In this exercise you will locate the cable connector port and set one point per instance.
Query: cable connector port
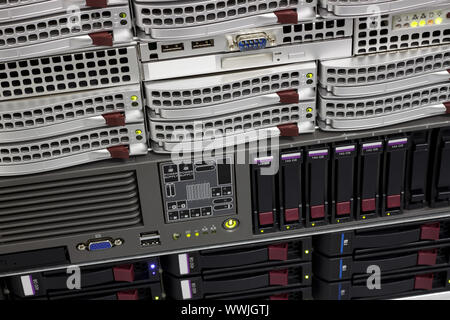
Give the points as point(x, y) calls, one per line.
point(150, 239)
point(252, 41)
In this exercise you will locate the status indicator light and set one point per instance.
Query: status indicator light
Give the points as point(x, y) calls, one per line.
point(309, 109)
point(306, 276)
point(309, 75)
point(156, 298)
point(306, 251)
point(134, 98)
point(188, 235)
point(422, 23)
point(414, 24)
point(363, 217)
point(152, 266)
point(197, 234)
point(138, 131)
point(123, 15)
point(438, 20)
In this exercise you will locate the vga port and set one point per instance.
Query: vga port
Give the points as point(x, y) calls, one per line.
point(254, 41)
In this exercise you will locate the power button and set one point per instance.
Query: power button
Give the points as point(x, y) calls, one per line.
point(230, 224)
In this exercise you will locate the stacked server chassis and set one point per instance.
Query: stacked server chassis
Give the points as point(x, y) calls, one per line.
point(215, 74)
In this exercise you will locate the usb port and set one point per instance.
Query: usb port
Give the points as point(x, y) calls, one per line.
point(150, 239)
point(172, 47)
point(202, 44)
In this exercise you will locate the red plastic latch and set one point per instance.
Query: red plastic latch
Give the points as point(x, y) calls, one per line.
point(427, 257)
point(102, 39)
point(278, 277)
point(430, 231)
point(394, 201)
point(119, 152)
point(424, 282)
point(283, 296)
point(368, 205)
point(278, 252)
point(97, 3)
point(287, 16)
point(317, 212)
point(128, 295)
point(124, 273)
point(343, 208)
point(288, 96)
point(288, 130)
point(447, 106)
point(114, 119)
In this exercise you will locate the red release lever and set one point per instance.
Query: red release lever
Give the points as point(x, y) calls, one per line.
point(114, 119)
point(427, 257)
point(424, 282)
point(128, 295)
point(287, 16)
point(97, 3)
point(283, 296)
point(278, 277)
point(278, 252)
point(104, 39)
point(447, 106)
point(288, 130)
point(124, 273)
point(430, 231)
point(288, 96)
point(119, 152)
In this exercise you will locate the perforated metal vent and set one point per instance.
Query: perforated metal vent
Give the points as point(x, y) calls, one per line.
point(317, 31)
point(13, 3)
point(229, 124)
point(376, 34)
point(25, 114)
point(58, 26)
point(334, 108)
point(46, 210)
point(173, 14)
point(185, 93)
point(68, 72)
point(379, 68)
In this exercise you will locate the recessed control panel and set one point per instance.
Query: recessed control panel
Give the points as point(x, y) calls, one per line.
point(197, 189)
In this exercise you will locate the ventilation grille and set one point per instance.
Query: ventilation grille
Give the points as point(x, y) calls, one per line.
point(375, 34)
point(61, 112)
point(63, 146)
point(357, 2)
point(228, 91)
point(190, 13)
point(377, 106)
point(69, 72)
point(385, 71)
point(14, 3)
point(46, 210)
point(317, 31)
point(42, 29)
point(230, 124)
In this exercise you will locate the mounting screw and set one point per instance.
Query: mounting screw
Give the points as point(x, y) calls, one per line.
point(118, 242)
point(81, 247)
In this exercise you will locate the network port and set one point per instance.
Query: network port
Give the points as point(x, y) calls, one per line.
point(172, 47)
point(253, 41)
point(150, 239)
point(203, 44)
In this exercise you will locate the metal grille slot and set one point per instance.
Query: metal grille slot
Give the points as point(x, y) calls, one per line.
point(333, 108)
point(185, 93)
point(384, 67)
point(46, 210)
point(67, 145)
point(14, 3)
point(190, 13)
point(229, 124)
point(376, 34)
point(68, 72)
point(41, 112)
point(41, 29)
point(317, 31)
